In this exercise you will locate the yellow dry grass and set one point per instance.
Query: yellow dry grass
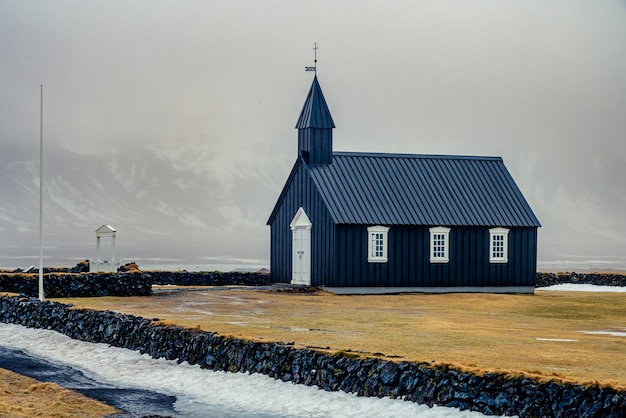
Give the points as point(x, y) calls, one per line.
point(22, 396)
point(542, 335)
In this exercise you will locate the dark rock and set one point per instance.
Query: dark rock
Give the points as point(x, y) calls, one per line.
point(501, 401)
point(82, 267)
point(129, 267)
point(486, 400)
point(389, 372)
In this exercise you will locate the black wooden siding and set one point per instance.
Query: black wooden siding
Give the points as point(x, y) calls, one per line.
point(339, 252)
point(409, 265)
point(301, 193)
point(316, 145)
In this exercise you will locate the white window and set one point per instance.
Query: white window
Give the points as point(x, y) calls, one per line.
point(377, 244)
point(439, 244)
point(498, 245)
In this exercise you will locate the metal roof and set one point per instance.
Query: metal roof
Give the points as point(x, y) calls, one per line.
point(315, 113)
point(406, 189)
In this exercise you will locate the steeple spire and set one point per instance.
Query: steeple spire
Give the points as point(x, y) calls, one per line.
point(315, 128)
point(315, 112)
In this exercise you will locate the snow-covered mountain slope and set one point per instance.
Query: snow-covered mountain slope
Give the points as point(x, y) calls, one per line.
point(163, 205)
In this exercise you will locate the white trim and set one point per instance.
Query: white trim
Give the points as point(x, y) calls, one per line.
point(439, 255)
point(503, 256)
point(377, 253)
point(300, 220)
point(301, 248)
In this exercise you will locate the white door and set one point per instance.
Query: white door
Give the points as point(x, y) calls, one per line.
point(301, 244)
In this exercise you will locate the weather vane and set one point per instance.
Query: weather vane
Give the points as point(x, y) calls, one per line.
point(314, 68)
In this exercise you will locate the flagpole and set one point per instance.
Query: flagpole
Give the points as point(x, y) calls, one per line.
point(41, 293)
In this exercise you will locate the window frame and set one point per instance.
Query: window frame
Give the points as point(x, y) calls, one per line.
point(504, 234)
point(372, 232)
point(445, 233)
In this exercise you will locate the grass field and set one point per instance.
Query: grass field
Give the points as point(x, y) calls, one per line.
point(570, 336)
point(22, 396)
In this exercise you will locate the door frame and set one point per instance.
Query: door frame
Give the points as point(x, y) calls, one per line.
point(301, 248)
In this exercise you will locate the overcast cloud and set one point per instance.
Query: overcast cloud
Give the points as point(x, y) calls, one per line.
point(185, 112)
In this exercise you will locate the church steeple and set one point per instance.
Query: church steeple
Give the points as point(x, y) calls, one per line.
point(315, 128)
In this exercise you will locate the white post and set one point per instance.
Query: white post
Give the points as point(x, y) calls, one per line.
point(41, 292)
point(113, 253)
point(98, 253)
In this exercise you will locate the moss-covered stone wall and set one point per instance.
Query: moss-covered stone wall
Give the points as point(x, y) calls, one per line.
point(66, 285)
point(133, 283)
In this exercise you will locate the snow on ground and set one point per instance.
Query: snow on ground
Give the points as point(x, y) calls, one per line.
point(604, 332)
point(571, 287)
point(198, 390)
point(560, 340)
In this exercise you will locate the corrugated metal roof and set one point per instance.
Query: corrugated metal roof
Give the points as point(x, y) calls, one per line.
point(406, 189)
point(315, 113)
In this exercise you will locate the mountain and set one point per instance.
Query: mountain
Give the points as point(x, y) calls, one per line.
point(164, 205)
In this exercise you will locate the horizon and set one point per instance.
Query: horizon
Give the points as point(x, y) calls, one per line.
point(567, 263)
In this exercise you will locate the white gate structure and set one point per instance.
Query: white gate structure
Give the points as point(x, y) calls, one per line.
point(105, 230)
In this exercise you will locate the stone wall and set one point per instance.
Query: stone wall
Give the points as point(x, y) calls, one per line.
point(65, 285)
point(133, 283)
point(62, 283)
point(208, 278)
point(599, 279)
point(493, 394)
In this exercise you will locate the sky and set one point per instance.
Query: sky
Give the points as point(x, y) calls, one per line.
point(184, 113)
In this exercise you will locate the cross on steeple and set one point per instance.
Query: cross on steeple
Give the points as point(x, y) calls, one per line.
point(314, 68)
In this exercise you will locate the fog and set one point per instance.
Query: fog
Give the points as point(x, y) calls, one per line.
point(180, 116)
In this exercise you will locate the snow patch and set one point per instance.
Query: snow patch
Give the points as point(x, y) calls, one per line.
point(602, 332)
point(197, 389)
point(562, 340)
point(571, 287)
